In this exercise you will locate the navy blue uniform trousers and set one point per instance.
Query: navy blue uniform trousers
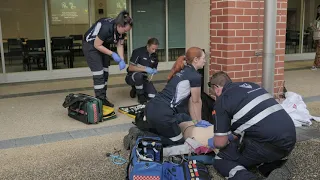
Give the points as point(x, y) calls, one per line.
point(232, 161)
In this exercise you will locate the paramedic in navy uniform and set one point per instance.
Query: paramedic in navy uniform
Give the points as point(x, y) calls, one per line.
point(266, 133)
point(180, 100)
point(143, 61)
point(96, 49)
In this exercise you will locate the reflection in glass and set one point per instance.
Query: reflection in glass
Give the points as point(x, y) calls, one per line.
point(68, 21)
point(293, 27)
point(309, 44)
point(149, 21)
point(176, 29)
point(22, 27)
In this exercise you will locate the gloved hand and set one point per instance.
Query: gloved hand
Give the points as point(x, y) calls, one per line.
point(116, 57)
point(149, 70)
point(122, 65)
point(203, 123)
point(155, 71)
point(211, 140)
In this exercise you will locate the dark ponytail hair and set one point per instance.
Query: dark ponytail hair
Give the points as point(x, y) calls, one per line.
point(123, 19)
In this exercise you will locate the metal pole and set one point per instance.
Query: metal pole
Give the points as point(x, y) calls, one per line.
point(2, 51)
point(269, 45)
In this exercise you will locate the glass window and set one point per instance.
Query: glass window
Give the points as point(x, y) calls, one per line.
point(149, 21)
point(309, 19)
point(23, 35)
point(68, 21)
point(176, 29)
point(293, 26)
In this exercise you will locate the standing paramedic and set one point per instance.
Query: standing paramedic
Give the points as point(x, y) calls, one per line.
point(180, 100)
point(96, 49)
point(144, 61)
point(266, 133)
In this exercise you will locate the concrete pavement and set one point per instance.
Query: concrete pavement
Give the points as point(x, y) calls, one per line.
point(39, 141)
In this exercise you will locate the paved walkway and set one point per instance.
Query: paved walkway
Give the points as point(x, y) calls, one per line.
point(39, 141)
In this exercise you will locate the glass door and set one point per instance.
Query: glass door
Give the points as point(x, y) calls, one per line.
point(23, 35)
point(149, 21)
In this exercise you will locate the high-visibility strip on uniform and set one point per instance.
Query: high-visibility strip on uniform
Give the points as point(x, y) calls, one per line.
point(139, 87)
point(257, 118)
point(97, 73)
point(250, 106)
point(176, 138)
point(234, 170)
point(151, 95)
point(222, 134)
point(106, 69)
point(99, 86)
point(132, 76)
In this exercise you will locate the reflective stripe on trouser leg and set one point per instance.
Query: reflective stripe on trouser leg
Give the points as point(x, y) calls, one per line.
point(150, 89)
point(99, 84)
point(232, 169)
point(137, 78)
point(226, 163)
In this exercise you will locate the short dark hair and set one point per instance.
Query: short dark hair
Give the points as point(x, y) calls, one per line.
point(153, 41)
point(123, 19)
point(220, 79)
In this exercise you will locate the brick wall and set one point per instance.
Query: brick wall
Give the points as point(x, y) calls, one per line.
point(236, 33)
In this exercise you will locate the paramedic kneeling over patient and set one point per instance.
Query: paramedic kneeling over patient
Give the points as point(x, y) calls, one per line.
point(144, 61)
point(181, 95)
point(266, 133)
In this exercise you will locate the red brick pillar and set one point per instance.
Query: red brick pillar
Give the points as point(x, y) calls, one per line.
point(236, 34)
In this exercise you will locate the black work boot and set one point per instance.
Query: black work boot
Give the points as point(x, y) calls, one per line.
point(284, 172)
point(142, 99)
point(105, 102)
point(133, 92)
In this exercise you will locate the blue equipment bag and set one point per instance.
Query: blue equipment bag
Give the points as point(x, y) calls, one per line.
point(146, 159)
point(146, 162)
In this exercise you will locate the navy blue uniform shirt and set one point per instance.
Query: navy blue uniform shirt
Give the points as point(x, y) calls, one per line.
point(178, 90)
point(141, 57)
point(105, 29)
point(248, 110)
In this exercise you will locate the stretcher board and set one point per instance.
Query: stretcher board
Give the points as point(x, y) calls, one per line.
point(132, 110)
point(108, 113)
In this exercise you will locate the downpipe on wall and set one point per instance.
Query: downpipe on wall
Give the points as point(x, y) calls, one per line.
point(269, 45)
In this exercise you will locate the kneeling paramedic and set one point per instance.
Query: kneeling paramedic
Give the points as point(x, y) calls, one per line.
point(265, 132)
point(143, 62)
point(180, 100)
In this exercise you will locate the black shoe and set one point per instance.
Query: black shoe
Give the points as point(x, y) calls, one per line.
point(133, 92)
point(284, 172)
point(105, 102)
point(130, 139)
point(142, 99)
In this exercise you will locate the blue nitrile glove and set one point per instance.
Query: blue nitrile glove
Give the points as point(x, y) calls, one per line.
point(203, 123)
point(149, 70)
point(122, 65)
point(116, 57)
point(155, 71)
point(211, 140)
